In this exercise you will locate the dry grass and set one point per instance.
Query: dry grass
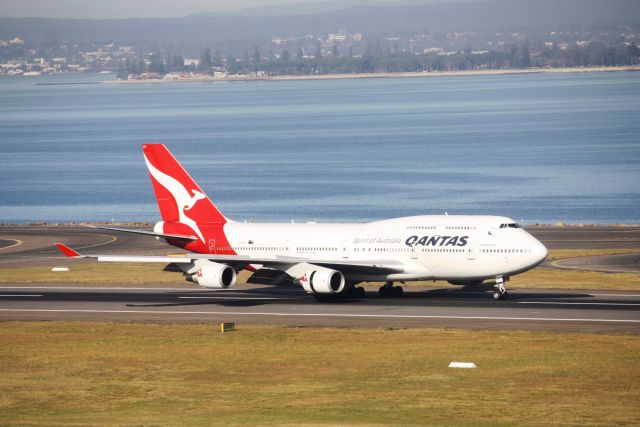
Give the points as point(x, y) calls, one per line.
point(152, 274)
point(135, 374)
point(546, 278)
point(93, 272)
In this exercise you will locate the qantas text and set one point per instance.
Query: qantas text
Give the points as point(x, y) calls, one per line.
point(437, 241)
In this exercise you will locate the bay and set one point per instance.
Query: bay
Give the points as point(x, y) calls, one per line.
point(539, 148)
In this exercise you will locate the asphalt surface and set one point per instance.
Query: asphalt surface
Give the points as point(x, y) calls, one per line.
point(34, 245)
point(469, 309)
point(559, 310)
point(588, 237)
point(620, 263)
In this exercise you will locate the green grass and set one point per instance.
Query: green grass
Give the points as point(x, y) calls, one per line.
point(149, 374)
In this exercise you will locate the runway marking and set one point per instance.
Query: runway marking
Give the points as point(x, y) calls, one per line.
point(558, 264)
point(577, 303)
point(56, 251)
point(16, 295)
point(17, 243)
point(614, 295)
point(242, 298)
point(113, 239)
point(337, 315)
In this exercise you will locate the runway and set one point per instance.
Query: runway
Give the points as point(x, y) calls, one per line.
point(620, 263)
point(22, 246)
point(248, 304)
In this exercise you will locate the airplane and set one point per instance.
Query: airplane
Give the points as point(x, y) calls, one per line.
point(328, 261)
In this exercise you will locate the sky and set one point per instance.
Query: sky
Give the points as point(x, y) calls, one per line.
point(99, 9)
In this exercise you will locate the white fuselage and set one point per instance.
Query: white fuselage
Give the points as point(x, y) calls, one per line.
point(455, 248)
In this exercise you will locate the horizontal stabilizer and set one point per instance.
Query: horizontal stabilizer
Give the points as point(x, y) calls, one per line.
point(67, 251)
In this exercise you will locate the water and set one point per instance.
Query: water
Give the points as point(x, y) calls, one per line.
point(537, 148)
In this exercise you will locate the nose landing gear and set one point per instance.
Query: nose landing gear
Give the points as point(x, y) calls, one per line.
point(499, 291)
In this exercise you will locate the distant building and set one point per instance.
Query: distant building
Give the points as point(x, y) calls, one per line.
point(336, 38)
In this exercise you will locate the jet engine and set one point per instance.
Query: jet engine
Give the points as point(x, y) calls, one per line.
point(213, 275)
point(323, 281)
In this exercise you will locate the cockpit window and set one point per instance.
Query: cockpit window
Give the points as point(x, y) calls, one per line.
point(510, 225)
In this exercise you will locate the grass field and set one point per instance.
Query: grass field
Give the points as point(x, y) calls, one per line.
point(147, 374)
point(143, 274)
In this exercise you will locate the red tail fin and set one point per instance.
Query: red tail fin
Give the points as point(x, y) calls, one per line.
point(184, 207)
point(179, 197)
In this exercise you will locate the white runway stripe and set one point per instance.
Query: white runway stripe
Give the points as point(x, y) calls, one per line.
point(616, 295)
point(238, 297)
point(577, 303)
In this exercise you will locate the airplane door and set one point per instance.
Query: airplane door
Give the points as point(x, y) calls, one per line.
point(414, 252)
point(345, 249)
point(471, 252)
point(212, 246)
point(290, 249)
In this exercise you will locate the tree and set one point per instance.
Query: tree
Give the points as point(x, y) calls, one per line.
point(525, 56)
point(123, 73)
point(156, 63)
point(285, 55)
point(256, 55)
point(177, 63)
point(632, 53)
point(205, 61)
point(217, 59)
point(232, 65)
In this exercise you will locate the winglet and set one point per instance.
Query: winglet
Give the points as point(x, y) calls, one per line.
point(67, 251)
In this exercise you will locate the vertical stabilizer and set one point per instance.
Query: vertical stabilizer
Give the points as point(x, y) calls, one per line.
point(178, 195)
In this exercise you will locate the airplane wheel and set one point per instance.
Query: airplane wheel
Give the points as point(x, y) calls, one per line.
point(497, 295)
point(360, 292)
point(398, 291)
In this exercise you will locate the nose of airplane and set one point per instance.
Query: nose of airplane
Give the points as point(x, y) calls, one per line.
point(539, 251)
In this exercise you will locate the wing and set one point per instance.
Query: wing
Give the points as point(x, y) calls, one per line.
point(277, 262)
point(148, 233)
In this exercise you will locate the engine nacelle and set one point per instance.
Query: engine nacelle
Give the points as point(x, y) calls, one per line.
point(323, 281)
point(213, 275)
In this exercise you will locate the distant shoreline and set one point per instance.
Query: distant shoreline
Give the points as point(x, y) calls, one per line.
point(387, 75)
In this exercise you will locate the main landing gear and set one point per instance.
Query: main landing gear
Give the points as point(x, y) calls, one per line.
point(388, 290)
point(356, 292)
point(499, 291)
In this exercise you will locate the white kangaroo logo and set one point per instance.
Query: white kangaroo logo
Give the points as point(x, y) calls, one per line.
point(184, 200)
point(196, 196)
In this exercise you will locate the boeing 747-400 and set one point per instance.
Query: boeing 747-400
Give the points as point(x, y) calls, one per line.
point(327, 260)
